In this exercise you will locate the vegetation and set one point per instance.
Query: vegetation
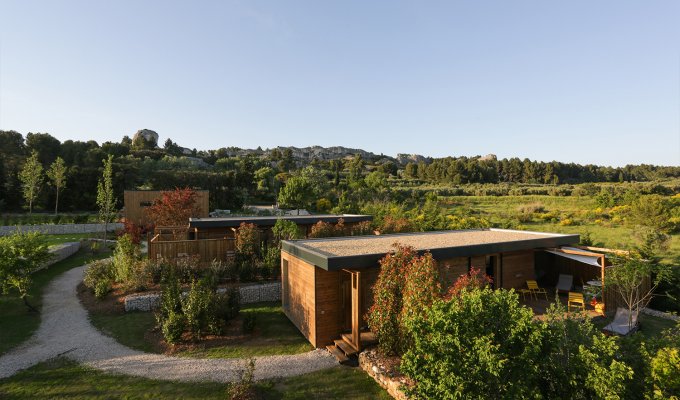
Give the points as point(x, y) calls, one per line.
point(18, 324)
point(21, 255)
point(61, 378)
point(31, 179)
point(57, 177)
point(106, 200)
point(173, 207)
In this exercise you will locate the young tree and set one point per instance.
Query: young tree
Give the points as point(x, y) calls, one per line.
point(628, 276)
point(21, 254)
point(173, 208)
point(31, 177)
point(57, 176)
point(297, 193)
point(106, 200)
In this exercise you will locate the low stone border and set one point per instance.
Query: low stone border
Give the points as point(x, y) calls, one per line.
point(660, 314)
point(368, 361)
point(59, 229)
point(61, 252)
point(252, 293)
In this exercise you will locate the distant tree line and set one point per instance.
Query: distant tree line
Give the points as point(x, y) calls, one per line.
point(38, 172)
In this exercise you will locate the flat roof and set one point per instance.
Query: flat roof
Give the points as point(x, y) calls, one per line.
point(228, 222)
point(364, 251)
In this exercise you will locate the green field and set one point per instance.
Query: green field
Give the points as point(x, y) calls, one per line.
point(582, 212)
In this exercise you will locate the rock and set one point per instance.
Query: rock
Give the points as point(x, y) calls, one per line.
point(145, 138)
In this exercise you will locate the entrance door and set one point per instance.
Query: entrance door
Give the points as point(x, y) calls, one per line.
point(346, 301)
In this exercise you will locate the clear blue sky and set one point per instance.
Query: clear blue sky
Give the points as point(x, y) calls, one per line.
point(583, 81)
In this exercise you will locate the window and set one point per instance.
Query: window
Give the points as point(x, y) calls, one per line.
point(145, 204)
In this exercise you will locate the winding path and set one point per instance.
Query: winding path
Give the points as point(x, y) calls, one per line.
point(66, 330)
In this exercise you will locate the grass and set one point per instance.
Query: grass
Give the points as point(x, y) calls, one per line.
point(275, 334)
point(17, 323)
point(650, 326)
point(501, 209)
point(61, 378)
point(74, 237)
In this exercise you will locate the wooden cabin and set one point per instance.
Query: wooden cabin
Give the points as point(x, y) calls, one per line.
point(212, 228)
point(135, 203)
point(326, 283)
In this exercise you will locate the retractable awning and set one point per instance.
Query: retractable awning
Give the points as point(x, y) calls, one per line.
point(593, 260)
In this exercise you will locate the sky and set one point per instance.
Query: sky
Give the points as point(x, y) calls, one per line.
point(574, 81)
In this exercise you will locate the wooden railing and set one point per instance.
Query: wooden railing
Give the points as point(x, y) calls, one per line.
point(206, 249)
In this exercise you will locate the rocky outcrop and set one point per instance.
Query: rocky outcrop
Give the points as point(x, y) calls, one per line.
point(148, 137)
point(404, 159)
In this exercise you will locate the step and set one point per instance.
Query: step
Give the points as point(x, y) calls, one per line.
point(346, 348)
point(339, 355)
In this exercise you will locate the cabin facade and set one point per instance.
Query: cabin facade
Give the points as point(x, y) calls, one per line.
point(135, 203)
point(327, 283)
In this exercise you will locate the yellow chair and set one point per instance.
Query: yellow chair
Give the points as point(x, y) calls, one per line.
point(533, 286)
point(576, 300)
point(525, 292)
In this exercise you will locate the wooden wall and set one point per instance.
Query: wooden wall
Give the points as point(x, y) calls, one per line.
point(208, 250)
point(451, 269)
point(517, 267)
point(328, 310)
point(300, 305)
point(135, 203)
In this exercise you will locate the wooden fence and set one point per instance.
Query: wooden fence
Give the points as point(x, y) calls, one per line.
point(206, 249)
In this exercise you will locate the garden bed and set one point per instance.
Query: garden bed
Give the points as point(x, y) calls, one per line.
point(274, 334)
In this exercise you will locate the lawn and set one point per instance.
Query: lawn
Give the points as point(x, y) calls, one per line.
point(650, 326)
point(17, 323)
point(61, 378)
point(74, 237)
point(274, 334)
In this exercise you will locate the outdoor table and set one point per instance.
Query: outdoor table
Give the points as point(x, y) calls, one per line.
point(594, 283)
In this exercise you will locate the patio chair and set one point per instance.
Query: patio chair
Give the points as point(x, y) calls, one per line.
point(564, 283)
point(533, 287)
point(622, 324)
point(526, 292)
point(576, 300)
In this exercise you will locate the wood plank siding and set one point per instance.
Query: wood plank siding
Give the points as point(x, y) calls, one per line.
point(135, 202)
point(516, 268)
point(207, 250)
point(299, 302)
point(328, 312)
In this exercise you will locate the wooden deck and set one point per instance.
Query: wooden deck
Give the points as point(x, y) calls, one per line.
point(540, 306)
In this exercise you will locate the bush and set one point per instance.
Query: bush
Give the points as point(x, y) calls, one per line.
point(125, 256)
point(244, 388)
point(271, 261)
point(286, 230)
point(99, 277)
point(189, 268)
point(173, 327)
point(228, 304)
point(247, 239)
point(362, 228)
point(198, 307)
point(249, 323)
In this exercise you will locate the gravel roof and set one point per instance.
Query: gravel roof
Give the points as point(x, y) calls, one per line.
point(364, 245)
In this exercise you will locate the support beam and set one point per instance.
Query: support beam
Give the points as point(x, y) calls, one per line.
point(356, 310)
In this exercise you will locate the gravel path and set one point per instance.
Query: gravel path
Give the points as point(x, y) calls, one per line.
point(65, 330)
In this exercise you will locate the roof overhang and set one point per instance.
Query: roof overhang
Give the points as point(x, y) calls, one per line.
point(330, 262)
point(232, 222)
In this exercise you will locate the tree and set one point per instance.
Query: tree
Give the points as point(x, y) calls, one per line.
point(286, 230)
point(21, 254)
point(302, 189)
point(106, 200)
point(356, 168)
point(57, 176)
point(46, 145)
point(173, 208)
point(31, 177)
point(628, 276)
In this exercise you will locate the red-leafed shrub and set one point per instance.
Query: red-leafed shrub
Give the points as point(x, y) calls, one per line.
point(362, 228)
point(130, 228)
point(247, 239)
point(406, 285)
point(475, 279)
point(173, 208)
point(324, 229)
point(395, 225)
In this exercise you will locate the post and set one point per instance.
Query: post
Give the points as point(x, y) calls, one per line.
point(356, 309)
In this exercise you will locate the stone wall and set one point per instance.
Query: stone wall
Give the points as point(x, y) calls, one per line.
point(62, 251)
point(251, 293)
point(59, 229)
point(369, 361)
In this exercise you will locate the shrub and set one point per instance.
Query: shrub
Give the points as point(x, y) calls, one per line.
point(125, 257)
point(249, 323)
point(99, 277)
point(481, 344)
point(189, 268)
point(173, 327)
point(475, 279)
point(131, 229)
point(321, 230)
point(198, 307)
point(227, 304)
point(362, 228)
point(395, 225)
point(247, 239)
point(566, 222)
point(286, 230)
point(244, 388)
point(383, 317)
point(271, 260)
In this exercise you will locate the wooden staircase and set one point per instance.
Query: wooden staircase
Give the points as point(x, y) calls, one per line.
point(344, 350)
